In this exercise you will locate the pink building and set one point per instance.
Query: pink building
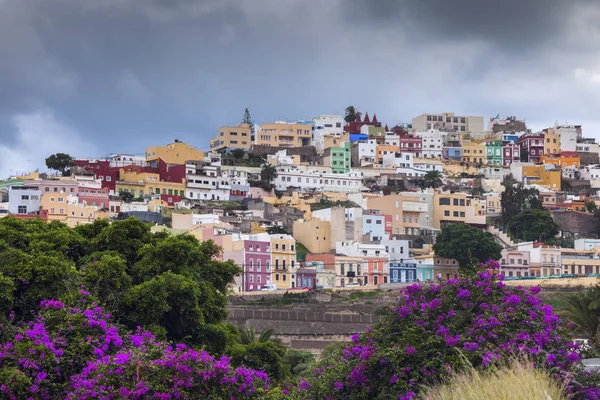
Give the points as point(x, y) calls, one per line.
point(257, 261)
point(515, 263)
point(510, 153)
point(412, 144)
point(376, 270)
point(56, 186)
point(94, 197)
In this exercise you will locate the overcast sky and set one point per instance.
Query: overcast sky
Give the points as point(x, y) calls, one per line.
point(90, 77)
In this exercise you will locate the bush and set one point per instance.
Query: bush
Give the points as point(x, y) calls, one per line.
point(439, 329)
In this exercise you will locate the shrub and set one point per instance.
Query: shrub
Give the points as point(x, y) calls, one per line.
point(439, 329)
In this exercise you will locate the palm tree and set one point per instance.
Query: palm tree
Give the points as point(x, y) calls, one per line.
point(249, 335)
point(351, 114)
point(584, 311)
point(268, 173)
point(433, 179)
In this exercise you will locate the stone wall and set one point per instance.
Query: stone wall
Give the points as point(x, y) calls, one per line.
point(574, 223)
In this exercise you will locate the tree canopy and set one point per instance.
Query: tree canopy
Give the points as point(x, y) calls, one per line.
point(247, 119)
point(466, 245)
point(351, 114)
point(532, 225)
point(268, 173)
point(517, 198)
point(433, 179)
point(60, 162)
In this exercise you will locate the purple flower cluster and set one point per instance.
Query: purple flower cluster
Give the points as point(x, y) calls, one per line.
point(78, 354)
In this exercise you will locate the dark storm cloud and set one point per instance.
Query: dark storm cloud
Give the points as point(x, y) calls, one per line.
point(121, 75)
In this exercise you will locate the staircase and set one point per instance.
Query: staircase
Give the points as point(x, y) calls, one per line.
point(500, 236)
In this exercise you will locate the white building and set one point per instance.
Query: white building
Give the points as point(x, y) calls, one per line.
point(374, 225)
point(24, 199)
point(392, 140)
point(326, 125)
point(586, 244)
point(432, 142)
point(315, 181)
point(472, 125)
point(356, 249)
point(367, 152)
point(397, 249)
point(209, 182)
point(123, 160)
point(568, 137)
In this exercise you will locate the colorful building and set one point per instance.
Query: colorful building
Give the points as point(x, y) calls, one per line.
point(174, 153)
point(314, 234)
point(565, 159)
point(283, 134)
point(382, 150)
point(257, 261)
point(551, 142)
point(533, 145)
point(510, 153)
point(493, 152)
point(538, 175)
point(339, 158)
point(401, 272)
point(232, 137)
point(283, 261)
point(474, 152)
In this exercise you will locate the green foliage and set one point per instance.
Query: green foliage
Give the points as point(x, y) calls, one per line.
point(247, 119)
point(238, 154)
point(583, 309)
point(105, 275)
point(126, 196)
point(301, 252)
point(127, 237)
point(517, 198)
point(432, 179)
point(325, 203)
point(60, 162)
point(590, 206)
point(265, 356)
point(268, 173)
point(530, 225)
point(351, 114)
point(299, 362)
point(465, 244)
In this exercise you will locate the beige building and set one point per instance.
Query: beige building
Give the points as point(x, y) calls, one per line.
point(407, 212)
point(551, 141)
point(314, 234)
point(449, 208)
point(473, 152)
point(232, 137)
point(282, 134)
point(473, 126)
point(64, 208)
point(173, 153)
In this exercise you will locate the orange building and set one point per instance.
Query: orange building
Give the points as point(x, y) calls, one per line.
point(566, 159)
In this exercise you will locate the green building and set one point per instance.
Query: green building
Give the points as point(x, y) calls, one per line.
point(340, 158)
point(493, 152)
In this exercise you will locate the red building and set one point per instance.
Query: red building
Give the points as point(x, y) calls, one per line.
point(375, 270)
point(306, 278)
point(170, 199)
point(533, 143)
point(510, 153)
point(354, 127)
point(101, 170)
point(94, 197)
point(411, 144)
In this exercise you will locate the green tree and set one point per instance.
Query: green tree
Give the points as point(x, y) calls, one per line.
point(266, 356)
point(126, 196)
point(125, 236)
point(583, 309)
point(247, 119)
point(466, 245)
point(105, 275)
point(530, 225)
point(590, 206)
point(351, 114)
point(517, 198)
point(433, 179)
point(238, 154)
point(268, 173)
point(60, 162)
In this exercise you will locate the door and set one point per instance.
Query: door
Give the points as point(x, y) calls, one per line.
point(402, 276)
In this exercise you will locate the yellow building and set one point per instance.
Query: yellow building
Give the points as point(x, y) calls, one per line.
point(449, 208)
point(63, 208)
point(551, 142)
point(537, 174)
point(146, 183)
point(314, 234)
point(174, 153)
point(335, 141)
point(473, 152)
point(232, 137)
point(281, 134)
point(382, 150)
point(494, 206)
point(566, 159)
point(283, 261)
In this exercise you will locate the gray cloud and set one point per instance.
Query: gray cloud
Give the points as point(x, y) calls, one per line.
point(126, 74)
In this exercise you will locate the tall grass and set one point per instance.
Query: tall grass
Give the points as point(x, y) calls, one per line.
point(517, 382)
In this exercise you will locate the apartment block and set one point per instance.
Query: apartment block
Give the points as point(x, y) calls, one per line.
point(283, 134)
point(232, 137)
point(474, 153)
point(174, 153)
point(551, 141)
point(472, 125)
point(314, 234)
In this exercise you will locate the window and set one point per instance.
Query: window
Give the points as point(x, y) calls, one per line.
point(455, 213)
point(446, 213)
point(52, 211)
point(455, 202)
point(61, 200)
point(257, 265)
point(284, 277)
point(292, 247)
point(283, 247)
point(22, 209)
point(62, 211)
point(258, 279)
point(444, 201)
point(251, 278)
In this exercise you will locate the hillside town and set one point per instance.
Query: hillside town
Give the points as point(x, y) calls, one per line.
point(344, 201)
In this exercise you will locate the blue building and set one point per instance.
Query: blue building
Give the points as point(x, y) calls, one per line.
point(401, 272)
point(355, 137)
point(452, 153)
point(510, 137)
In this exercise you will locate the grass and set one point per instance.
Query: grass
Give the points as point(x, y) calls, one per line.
point(518, 382)
point(362, 295)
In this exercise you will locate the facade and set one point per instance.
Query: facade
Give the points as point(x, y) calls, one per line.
point(565, 159)
point(568, 136)
point(174, 153)
point(473, 153)
point(232, 137)
point(339, 158)
point(24, 200)
point(373, 225)
point(432, 143)
point(283, 134)
point(533, 144)
point(283, 261)
point(326, 125)
point(314, 234)
point(551, 141)
point(383, 150)
point(402, 272)
point(314, 181)
point(539, 175)
point(494, 154)
point(510, 153)
point(449, 208)
point(407, 213)
point(472, 125)
point(452, 153)
point(411, 144)
point(515, 263)
point(65, 208)
point(257, 259)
